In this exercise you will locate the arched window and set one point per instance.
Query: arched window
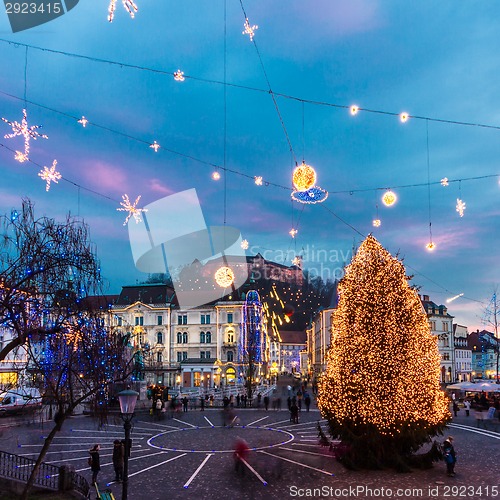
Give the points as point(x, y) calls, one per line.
point(159, 337)
point(231, 375)
point(185, 338)
point(230, 356)
point(179, 337)
point(208, 338)
point(230, 336)
point(202, 337)
point(159, 357)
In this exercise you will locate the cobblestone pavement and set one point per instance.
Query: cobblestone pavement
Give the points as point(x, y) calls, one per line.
point(190, 456)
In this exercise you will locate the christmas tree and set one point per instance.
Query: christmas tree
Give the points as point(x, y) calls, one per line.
point(380, 392)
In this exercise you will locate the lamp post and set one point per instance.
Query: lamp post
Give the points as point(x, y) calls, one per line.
point(128, 400)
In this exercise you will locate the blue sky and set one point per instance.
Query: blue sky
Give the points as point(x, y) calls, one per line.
point(430, 59)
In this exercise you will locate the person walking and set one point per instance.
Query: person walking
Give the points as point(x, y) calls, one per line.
point(307, 401)
point(95, 462)
point(185, 403)
point(202, 404)
point(118, 456)
point(266, 402)
point(455, 408)
point(467, 407)
point(450, 456)
point(240, 453)
point(294, 413)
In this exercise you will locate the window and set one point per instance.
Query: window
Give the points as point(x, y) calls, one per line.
point(182, 319)
point(120, 321)
point(205, 319)
point(159, 320)
point(179, 357)
point(445, 326)
point(159, 357)
point(139, 321)
point(208, 338)
point(230, 356)
point(159, 337)
point(202, 337)
point(184, 355)
point(207, 355)
point(229, 317)
point(185, 338)
point(197, 379)
point(202, 354)
point(230, 337)
point(179, 337)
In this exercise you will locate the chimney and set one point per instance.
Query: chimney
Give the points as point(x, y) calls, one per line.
point(425, 298)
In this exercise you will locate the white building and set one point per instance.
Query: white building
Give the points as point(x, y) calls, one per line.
point(463, 355)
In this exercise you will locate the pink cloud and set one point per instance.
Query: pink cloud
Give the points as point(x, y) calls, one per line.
point(157, 186)
point(105, 177)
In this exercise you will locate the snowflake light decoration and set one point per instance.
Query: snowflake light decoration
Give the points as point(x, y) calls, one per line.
point(27, 132)
point(50, 175)
point(131, 209)
point(244, 244)
point(460, 208)
point(444, 181)
point(376, 222)
point(129, 5)
point(293, 232)
point(258, 180)
point(83, 121)
point(296, 261)
point(179, 76)
point(155, 146)
point(249, 30)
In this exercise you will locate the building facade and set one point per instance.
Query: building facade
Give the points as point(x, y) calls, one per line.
point(462, 355)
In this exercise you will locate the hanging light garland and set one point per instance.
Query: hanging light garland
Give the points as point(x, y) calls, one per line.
point(132, 209)
point(22, 129)
point(50, 175)
point(129, 6)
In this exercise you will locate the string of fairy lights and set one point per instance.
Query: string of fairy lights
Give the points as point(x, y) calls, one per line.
point(304, 176)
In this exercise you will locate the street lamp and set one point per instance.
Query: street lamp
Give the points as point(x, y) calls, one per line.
point(128, 400)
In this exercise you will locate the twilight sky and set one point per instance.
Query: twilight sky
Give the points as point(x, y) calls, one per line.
point(436, 60)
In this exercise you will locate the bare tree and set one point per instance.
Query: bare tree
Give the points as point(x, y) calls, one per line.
point(491, 317)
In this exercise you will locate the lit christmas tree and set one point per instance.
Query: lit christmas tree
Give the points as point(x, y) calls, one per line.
point(380, 392)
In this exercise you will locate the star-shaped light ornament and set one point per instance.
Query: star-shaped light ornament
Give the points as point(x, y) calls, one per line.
point(293, 232)
point(244, 244)
point(304, 180)
point(296, 261)
point(460, 208)
point(22, 129)
point(444, 182)
point(129, 5)
point(179, 76)
point(50, 175)
point(258, 180)
point(83, 121)
point(249, 30)
point(155, 146)
point(131, 209)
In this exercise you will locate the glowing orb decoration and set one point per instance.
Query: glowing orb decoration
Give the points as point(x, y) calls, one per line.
point(303, 177)
point(224, 277)
point(389, 198)
point(289, 310)
point(444, 182)
point(179, 76)
point(215, 176)
point(404, 117)
point(430, 246)
point(354, 110)
point(312, 195)
point(244, 244)
point(376, 222)
point(293, 232)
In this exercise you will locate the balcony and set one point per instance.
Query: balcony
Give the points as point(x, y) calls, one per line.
point(229, 344)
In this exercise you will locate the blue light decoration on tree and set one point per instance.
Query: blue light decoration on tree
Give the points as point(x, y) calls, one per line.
point(250, 345)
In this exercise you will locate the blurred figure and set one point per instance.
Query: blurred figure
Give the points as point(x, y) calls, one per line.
point(118, 456)
point(240, 454)
point(95, 462)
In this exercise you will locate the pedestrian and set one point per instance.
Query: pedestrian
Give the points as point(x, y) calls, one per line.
point(450, 457)
point(456, 409)
point(266, 402)
point(307, 401)
point(294, 413)
point(289, 402)
point(259, 399)
point(95, 462)
point(238, 400)
point(202, 404)
point(467, 407)
point(240, 453)
point(185, 403)
point(118, 457)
